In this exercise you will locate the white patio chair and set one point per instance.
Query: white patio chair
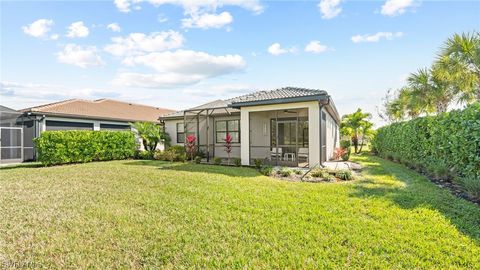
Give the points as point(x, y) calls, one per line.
point(275, 154)
point(303, 153)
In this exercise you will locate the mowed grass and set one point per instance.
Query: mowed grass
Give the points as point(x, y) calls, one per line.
point(149, 214)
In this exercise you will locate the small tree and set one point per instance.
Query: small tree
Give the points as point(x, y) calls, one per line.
point(190, 145)
point(357, 127)
point(228, 146)
point(150, 133)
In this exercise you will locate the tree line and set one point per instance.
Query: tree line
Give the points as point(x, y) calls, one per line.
point(454, 77)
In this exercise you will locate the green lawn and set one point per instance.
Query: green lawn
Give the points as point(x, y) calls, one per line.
point(149, 214)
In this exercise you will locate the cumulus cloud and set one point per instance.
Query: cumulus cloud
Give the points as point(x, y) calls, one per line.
point(276, 49)
point(181, 67)
point(114, 27)
point(330, 8)
point(315, 47)
point(191, 7)
point(207, 20)
point(396, 7)
point(136, 43)
point(77, 29)
point(82, 56)
point(376, 37)
point(38, 28)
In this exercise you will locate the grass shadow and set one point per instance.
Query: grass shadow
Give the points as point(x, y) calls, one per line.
point(22, 165)
point(410, 190)
point(203, 168)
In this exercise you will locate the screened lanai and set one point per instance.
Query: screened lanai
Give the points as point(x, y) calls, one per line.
point(280, 137)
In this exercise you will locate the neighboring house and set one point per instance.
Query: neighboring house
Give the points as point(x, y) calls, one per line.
point(288, 127)
point(78, 114)
point(11, 136)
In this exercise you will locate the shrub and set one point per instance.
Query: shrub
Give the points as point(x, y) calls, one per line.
point(266, 170)
point(472, 186)
point(72, 146)
point(237, 162)
point(143, 154)
point(285, 172)
point(217, 160)
point(158, 155)
point(198, 159)
point(451, 138)
point(258, 163)
point(345, 144)
point(346, 155)
point(175, 153)
point(319, 173)
point(329, 178)
point(297, 171)
point(344, 174)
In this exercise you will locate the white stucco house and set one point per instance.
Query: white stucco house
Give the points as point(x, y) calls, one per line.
point(289, 126)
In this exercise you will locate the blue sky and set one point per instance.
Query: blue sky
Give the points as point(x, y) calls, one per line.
point(180, 53)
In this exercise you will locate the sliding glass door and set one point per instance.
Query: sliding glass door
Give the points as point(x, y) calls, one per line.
point(289, 141)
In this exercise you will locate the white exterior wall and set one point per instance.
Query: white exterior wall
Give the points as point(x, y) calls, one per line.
point(332, 135)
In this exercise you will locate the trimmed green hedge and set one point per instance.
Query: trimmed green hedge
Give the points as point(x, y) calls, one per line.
point(74, 146)
point(451, 139)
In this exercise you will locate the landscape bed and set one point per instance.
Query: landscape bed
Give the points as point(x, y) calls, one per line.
point(153, 214)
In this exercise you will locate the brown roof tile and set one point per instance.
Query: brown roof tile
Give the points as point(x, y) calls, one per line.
point(101, 109)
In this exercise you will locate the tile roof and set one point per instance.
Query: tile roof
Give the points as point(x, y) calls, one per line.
point(101, 109)
point(281, 93)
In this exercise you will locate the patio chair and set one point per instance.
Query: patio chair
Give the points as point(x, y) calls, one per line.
point(303, 153)
point(274, 154)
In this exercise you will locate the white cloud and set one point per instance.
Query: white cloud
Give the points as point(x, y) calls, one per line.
point(181, 67)
point(330, 8)
point(207, 20)
point(54, 36)
point(315, 47)
point(276, 49)
point(77, 29)
point(136, 43)
point(376, 37)
point(161, 18)
point(21, 95)
point(79, 56)
point(193, 6)
point(396, 7)
point(114, 27)
point(38, 28)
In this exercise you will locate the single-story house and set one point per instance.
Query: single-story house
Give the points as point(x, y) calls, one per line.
point(79, 114)
point(11, 136)
point(287, 127)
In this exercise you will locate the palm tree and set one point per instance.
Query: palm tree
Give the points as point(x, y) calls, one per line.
point(150, 133)
point(420, 98)
point(356, 125)
point(465, 50)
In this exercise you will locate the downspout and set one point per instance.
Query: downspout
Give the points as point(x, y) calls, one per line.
point(322, 103)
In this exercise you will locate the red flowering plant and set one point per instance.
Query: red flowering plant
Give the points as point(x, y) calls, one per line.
point(190, 145)
point(339, 152)
point(228, 145)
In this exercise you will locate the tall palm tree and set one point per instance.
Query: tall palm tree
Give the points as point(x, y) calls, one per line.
point(465, 49)
point(420, 100)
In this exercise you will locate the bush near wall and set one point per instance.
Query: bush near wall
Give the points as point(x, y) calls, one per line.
point(74, 146)
point(451, 139)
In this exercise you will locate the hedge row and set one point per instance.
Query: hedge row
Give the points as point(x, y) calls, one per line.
point(74, 146)
point(451, 139)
